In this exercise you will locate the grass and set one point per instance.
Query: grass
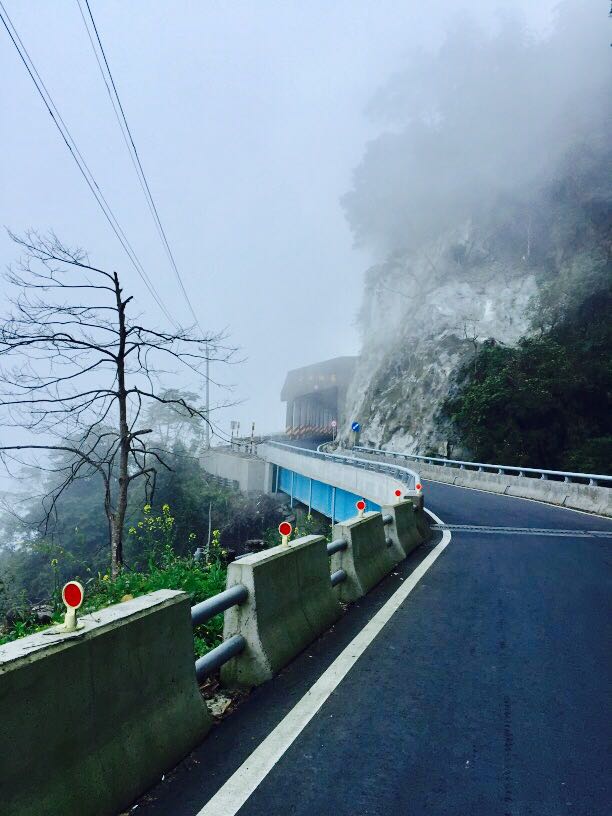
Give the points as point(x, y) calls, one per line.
point(199, 580)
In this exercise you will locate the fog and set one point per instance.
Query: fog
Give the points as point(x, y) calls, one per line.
point(488, 115)
point(250, 118)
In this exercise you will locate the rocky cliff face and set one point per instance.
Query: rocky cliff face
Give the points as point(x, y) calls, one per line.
point(423, 315)
point(487, 197)
point(516, 270)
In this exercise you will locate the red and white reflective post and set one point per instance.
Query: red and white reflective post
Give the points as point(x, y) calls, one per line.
point(398, 495)
point(73, 594)
point(361, 506)
point(284, 528)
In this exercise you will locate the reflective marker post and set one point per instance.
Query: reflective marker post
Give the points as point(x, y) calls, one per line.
point(72, 596)
point(284, 528)
point(360, 505)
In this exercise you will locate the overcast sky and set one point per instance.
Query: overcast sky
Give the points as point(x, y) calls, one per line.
point(249, 118)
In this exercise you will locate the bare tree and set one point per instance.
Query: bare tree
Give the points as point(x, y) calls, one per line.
point(471, 334)
point(78, 372)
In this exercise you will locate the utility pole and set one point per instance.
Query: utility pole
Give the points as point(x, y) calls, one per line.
point(207, 396)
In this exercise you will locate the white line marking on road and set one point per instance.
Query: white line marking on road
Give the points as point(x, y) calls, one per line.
point(233, 794)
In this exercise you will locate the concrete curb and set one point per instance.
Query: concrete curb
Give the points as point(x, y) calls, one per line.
point(291, 602)
point(91, 719)
point(590, 499)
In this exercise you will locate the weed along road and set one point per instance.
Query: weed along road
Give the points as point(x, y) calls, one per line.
point(475, 680)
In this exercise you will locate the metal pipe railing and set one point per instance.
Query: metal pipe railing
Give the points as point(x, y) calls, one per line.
point(387, 519)
point(204, 611)
point(336, 546)
point(593, 479)
point(214, 659)
point(337, 577)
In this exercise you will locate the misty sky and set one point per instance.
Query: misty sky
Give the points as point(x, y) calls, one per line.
point(249, 118)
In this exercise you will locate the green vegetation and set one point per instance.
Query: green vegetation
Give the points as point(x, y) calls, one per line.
point(304, 525)
point(78, 537)
point(546, 402)
point(165, 570)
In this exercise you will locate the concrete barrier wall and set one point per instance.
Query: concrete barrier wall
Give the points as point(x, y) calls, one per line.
point(291, 602)
point(377, 487)
point(403, 530)
point(591, 499)
point(565, 494)
point(90, 720)
point(366, 560)
point(246, 470)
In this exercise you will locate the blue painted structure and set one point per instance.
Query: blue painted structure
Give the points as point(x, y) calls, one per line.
point(333, 502)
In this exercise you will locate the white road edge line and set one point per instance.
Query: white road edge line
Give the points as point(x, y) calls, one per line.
point(238, 788)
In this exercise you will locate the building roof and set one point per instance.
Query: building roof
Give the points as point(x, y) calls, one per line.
point(318, 377)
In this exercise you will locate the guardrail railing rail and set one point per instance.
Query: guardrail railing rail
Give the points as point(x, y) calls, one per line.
point(405, 475)
point(202, 613)
point(593, 479)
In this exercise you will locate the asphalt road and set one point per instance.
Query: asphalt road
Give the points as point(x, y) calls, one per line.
point(487, 693)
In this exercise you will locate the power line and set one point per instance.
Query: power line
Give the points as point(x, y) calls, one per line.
point(78, 158)
point(144, 184)
point(133, 151)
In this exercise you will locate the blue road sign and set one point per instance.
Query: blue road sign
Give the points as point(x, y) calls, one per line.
point(356, 427)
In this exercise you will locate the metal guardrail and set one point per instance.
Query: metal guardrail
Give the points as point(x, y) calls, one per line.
point(202, 613)
point(214, 659)
point(336, 546)
point(403, 474)
point(337, 577)
point(593, 479)
point(333, 547)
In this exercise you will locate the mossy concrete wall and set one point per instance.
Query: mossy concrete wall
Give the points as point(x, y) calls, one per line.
point(366, 560)
point(403, 530)
point(290, 603)
point(90, 720)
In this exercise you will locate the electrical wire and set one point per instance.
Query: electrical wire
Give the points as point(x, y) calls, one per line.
point(144, 184)
point(127, 134)
point(78, 158)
